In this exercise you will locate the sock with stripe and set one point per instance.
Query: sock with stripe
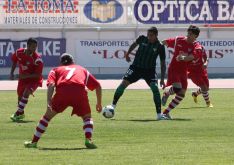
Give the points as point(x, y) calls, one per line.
point(174, 102)
point(205, 95)
point(88, 128)
point(40, 129)
point(198, 92)
point(21, 105)
point(169, 92)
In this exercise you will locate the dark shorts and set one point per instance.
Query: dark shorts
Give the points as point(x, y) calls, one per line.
point(134, 73)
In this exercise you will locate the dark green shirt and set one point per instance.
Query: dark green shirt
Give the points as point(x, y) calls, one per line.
point(147, 53)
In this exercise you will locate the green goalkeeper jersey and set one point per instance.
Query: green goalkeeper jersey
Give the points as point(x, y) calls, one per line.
point(147, 53)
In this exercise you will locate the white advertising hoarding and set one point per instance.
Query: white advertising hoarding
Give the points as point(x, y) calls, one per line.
point(110, 53)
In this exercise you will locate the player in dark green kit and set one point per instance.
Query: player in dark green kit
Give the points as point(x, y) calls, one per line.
point(144, 66)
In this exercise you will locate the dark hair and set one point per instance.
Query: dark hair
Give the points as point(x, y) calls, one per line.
point(153, 30)
point(66, 59)
point(194, 29)
point(31, 41)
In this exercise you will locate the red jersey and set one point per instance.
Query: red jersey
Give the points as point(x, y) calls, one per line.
point(72, 75)
point(28, 64)
point(200, 57)
point(179, 44)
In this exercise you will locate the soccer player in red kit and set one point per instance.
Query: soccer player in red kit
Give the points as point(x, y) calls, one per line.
point(177, 71)
point(69, 81)
point(197, 72)
point(30, 75)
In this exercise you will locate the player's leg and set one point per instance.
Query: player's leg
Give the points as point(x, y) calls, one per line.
point(81, 108)
point(205, 94)
point(88, 130)
point(157, 99)
point(195, 79)
point(119, 91)
point(195, 94)
point(131, 76)
point(166, 95)
point(41, 128)
point(24, 92)
point(171, 78)
point(180, 90)
point(151, 79)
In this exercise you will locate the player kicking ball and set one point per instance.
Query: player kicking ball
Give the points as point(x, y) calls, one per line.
point(69, 81)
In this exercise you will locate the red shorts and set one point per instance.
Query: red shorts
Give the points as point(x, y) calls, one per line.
point(177, 77)
point(32, 86)
point(73, 96)
point(200, 79)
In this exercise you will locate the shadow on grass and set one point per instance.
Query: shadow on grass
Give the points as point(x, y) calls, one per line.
point(180, 119)
point(194, 108)
point(142, 120)
point(145, 120)
point(62, 149)
point(22, 121)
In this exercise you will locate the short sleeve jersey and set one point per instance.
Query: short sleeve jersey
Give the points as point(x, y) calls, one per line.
point(200, 57)
point(179, 44)
point(72, 74)
point(147, 53)
point(28, 64)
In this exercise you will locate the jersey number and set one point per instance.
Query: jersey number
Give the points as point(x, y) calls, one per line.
point(70, 73)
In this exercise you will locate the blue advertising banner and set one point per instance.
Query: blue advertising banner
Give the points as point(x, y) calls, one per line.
point(184, 11)
point(50, 50)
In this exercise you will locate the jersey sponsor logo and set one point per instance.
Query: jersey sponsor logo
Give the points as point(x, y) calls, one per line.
point(103, 11)
point(179, 45)
point(195, 61)
point(24, 67)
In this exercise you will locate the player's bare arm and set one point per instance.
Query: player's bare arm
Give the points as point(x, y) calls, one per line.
point(163, 71)
point(12, 71)
point(164, 42)
point(206, 62)
point(186, 58)
point(50, 92)
point(131, 48)
point(99, 99)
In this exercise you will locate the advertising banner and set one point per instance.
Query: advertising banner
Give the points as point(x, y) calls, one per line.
point(62, 12)
point(111, 53)
point(50, 50)
point(184, 11)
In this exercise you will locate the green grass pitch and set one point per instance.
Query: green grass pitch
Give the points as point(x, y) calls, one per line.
point(197, 135)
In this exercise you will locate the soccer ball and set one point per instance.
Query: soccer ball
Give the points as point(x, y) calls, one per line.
point(108, 112)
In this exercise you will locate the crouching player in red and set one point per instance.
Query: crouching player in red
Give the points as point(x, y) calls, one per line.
point(197, 72)
point(70, 81)
point(30, 75)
